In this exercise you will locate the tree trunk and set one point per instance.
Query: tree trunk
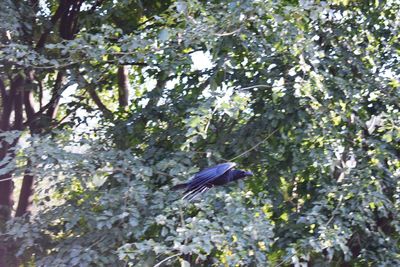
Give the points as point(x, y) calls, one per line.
point(123, 86)
point(26, 194)
point(14, 102)
point(11, 101)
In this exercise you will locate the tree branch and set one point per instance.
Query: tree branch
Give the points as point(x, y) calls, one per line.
point(255, 146)
point(55, 98)
point(71, 64)
point(59, 122)
point(68, 26)
point(52, 111)
point(92, 92)
point(60, 10)
point(167, 259)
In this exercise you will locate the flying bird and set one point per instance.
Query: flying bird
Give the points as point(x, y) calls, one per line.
point(204, 180)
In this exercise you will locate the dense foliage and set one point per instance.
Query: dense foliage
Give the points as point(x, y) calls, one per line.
point(303, 93)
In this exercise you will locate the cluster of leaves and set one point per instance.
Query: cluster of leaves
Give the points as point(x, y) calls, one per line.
point(98, 205)
point(305, 94)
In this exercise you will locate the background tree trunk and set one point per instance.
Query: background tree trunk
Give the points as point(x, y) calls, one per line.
point(123, 86)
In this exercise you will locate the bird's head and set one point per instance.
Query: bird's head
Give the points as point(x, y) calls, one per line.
point(240, 174)
point(248, 173)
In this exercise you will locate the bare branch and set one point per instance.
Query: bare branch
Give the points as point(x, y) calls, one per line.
point(71, 64)
point(92, 92)
point(36, 115)
point(60, 10)
point(52, 111)
point(58, 123)
point(167, 259)
point(255, 86)
point(227, 33)
point(51, 106)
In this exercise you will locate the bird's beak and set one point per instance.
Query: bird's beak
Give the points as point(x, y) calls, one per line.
point(249, 173)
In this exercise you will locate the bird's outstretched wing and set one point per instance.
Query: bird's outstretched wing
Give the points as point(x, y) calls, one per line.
point(204, 177)
point(192, 194)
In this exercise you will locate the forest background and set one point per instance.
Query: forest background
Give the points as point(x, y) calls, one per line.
point(107, 104)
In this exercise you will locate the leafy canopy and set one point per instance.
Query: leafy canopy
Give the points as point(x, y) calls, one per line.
point(303, 93)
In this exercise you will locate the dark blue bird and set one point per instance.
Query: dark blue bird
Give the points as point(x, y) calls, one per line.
point(204, 180)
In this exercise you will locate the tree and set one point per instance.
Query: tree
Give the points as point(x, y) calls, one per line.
point(37, 63)
point(305, 94)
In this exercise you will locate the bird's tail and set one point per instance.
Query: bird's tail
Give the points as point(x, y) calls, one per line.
point(179, 186)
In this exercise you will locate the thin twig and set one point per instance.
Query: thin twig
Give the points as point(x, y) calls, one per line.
point(209, 121)
point(11, 178)
point(166, 259)
point(227, 33)
point(255, 146)
point(95, 243)
point(255, 86)
point(262, 86)
point(60, 66)
point(334, 211)
point(284, 261)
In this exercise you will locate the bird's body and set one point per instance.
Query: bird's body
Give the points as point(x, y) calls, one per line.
point(218, 175)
